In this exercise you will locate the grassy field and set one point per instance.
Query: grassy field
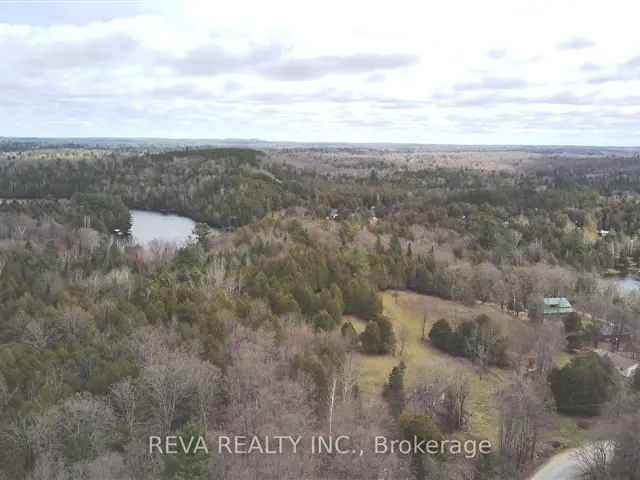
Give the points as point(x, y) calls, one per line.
point(407, 311)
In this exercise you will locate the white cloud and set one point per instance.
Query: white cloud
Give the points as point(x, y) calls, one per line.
point(493, 83)
point(576, 43)
point(458, 71)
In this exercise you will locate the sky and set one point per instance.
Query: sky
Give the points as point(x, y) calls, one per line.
point(530, 72)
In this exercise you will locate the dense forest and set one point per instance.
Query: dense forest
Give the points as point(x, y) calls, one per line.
point(262, 329)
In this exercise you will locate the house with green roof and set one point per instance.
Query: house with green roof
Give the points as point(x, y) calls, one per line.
point(556, 306)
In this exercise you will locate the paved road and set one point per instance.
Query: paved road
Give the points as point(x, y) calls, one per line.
point(563, 466)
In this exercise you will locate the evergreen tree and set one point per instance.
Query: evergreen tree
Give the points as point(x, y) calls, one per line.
point(440, 334)
point(582, 386)
point(370, 338)
point(323, 321)
point(349, 333)
point(394, 390)
point(387, 336)
point(190, 465)
point(420, 428)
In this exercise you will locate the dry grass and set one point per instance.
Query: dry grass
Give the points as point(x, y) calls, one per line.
point(407, 311)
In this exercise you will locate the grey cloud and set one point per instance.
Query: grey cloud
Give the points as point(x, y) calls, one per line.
point(268, 61)
point(479, 100)
point(96, 51)
point(483, 99)
point(604, 79)
point(633, 63)
point(333, 96)
point(560, 98)
point(59, 55)
point(317, 67)
point(31, 12)
point(576, 120)
point(179, 90)
point(576, 43)
point(401, 104)
point(627, 71)
point(497, 53)
point(376, 78)
point(590, 67)
point(275, 98)
point(211, 59)
point(492, 83)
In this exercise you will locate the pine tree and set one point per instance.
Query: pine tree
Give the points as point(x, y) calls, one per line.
point(440, 334)
point(191, 465)
point(323, 321)
point(394, 390)
point(370, 338)
point(387, 336)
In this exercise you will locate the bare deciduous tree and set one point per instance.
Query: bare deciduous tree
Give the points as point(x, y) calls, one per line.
point(110, 466)
point(206, 378)
point(349, 376)
point(549, 341)
point(86, 419)
point(124, 396)
point(403, 339)
point(616, 453)
point(593, 460)
point(47, 467)
point(522, 412)
point(168, 383)
point(453, 404)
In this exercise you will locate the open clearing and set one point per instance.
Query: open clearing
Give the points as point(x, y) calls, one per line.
point(407, 310)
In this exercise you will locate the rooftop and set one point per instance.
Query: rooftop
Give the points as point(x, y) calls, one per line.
point(557, 305)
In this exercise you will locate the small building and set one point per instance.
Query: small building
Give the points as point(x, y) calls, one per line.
point(557, 306)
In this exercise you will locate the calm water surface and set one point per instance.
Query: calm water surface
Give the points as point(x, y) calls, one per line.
point(147, 226)
point(625, 284)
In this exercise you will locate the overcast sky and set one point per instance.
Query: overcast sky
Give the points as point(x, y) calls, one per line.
point(450, 71)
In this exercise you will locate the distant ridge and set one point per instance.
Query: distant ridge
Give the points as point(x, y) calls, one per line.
point(103, 142)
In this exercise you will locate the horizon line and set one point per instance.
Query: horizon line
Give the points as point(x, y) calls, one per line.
point(323, 142)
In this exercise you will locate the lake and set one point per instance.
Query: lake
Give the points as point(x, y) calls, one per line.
point(628, 284)
point(148, 225)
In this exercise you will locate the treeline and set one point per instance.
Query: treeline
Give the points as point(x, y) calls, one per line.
point(479, 340)
point(510, 219)
point(296, 274)
point(102, 212)
point(101, 347)
point(222, 187)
